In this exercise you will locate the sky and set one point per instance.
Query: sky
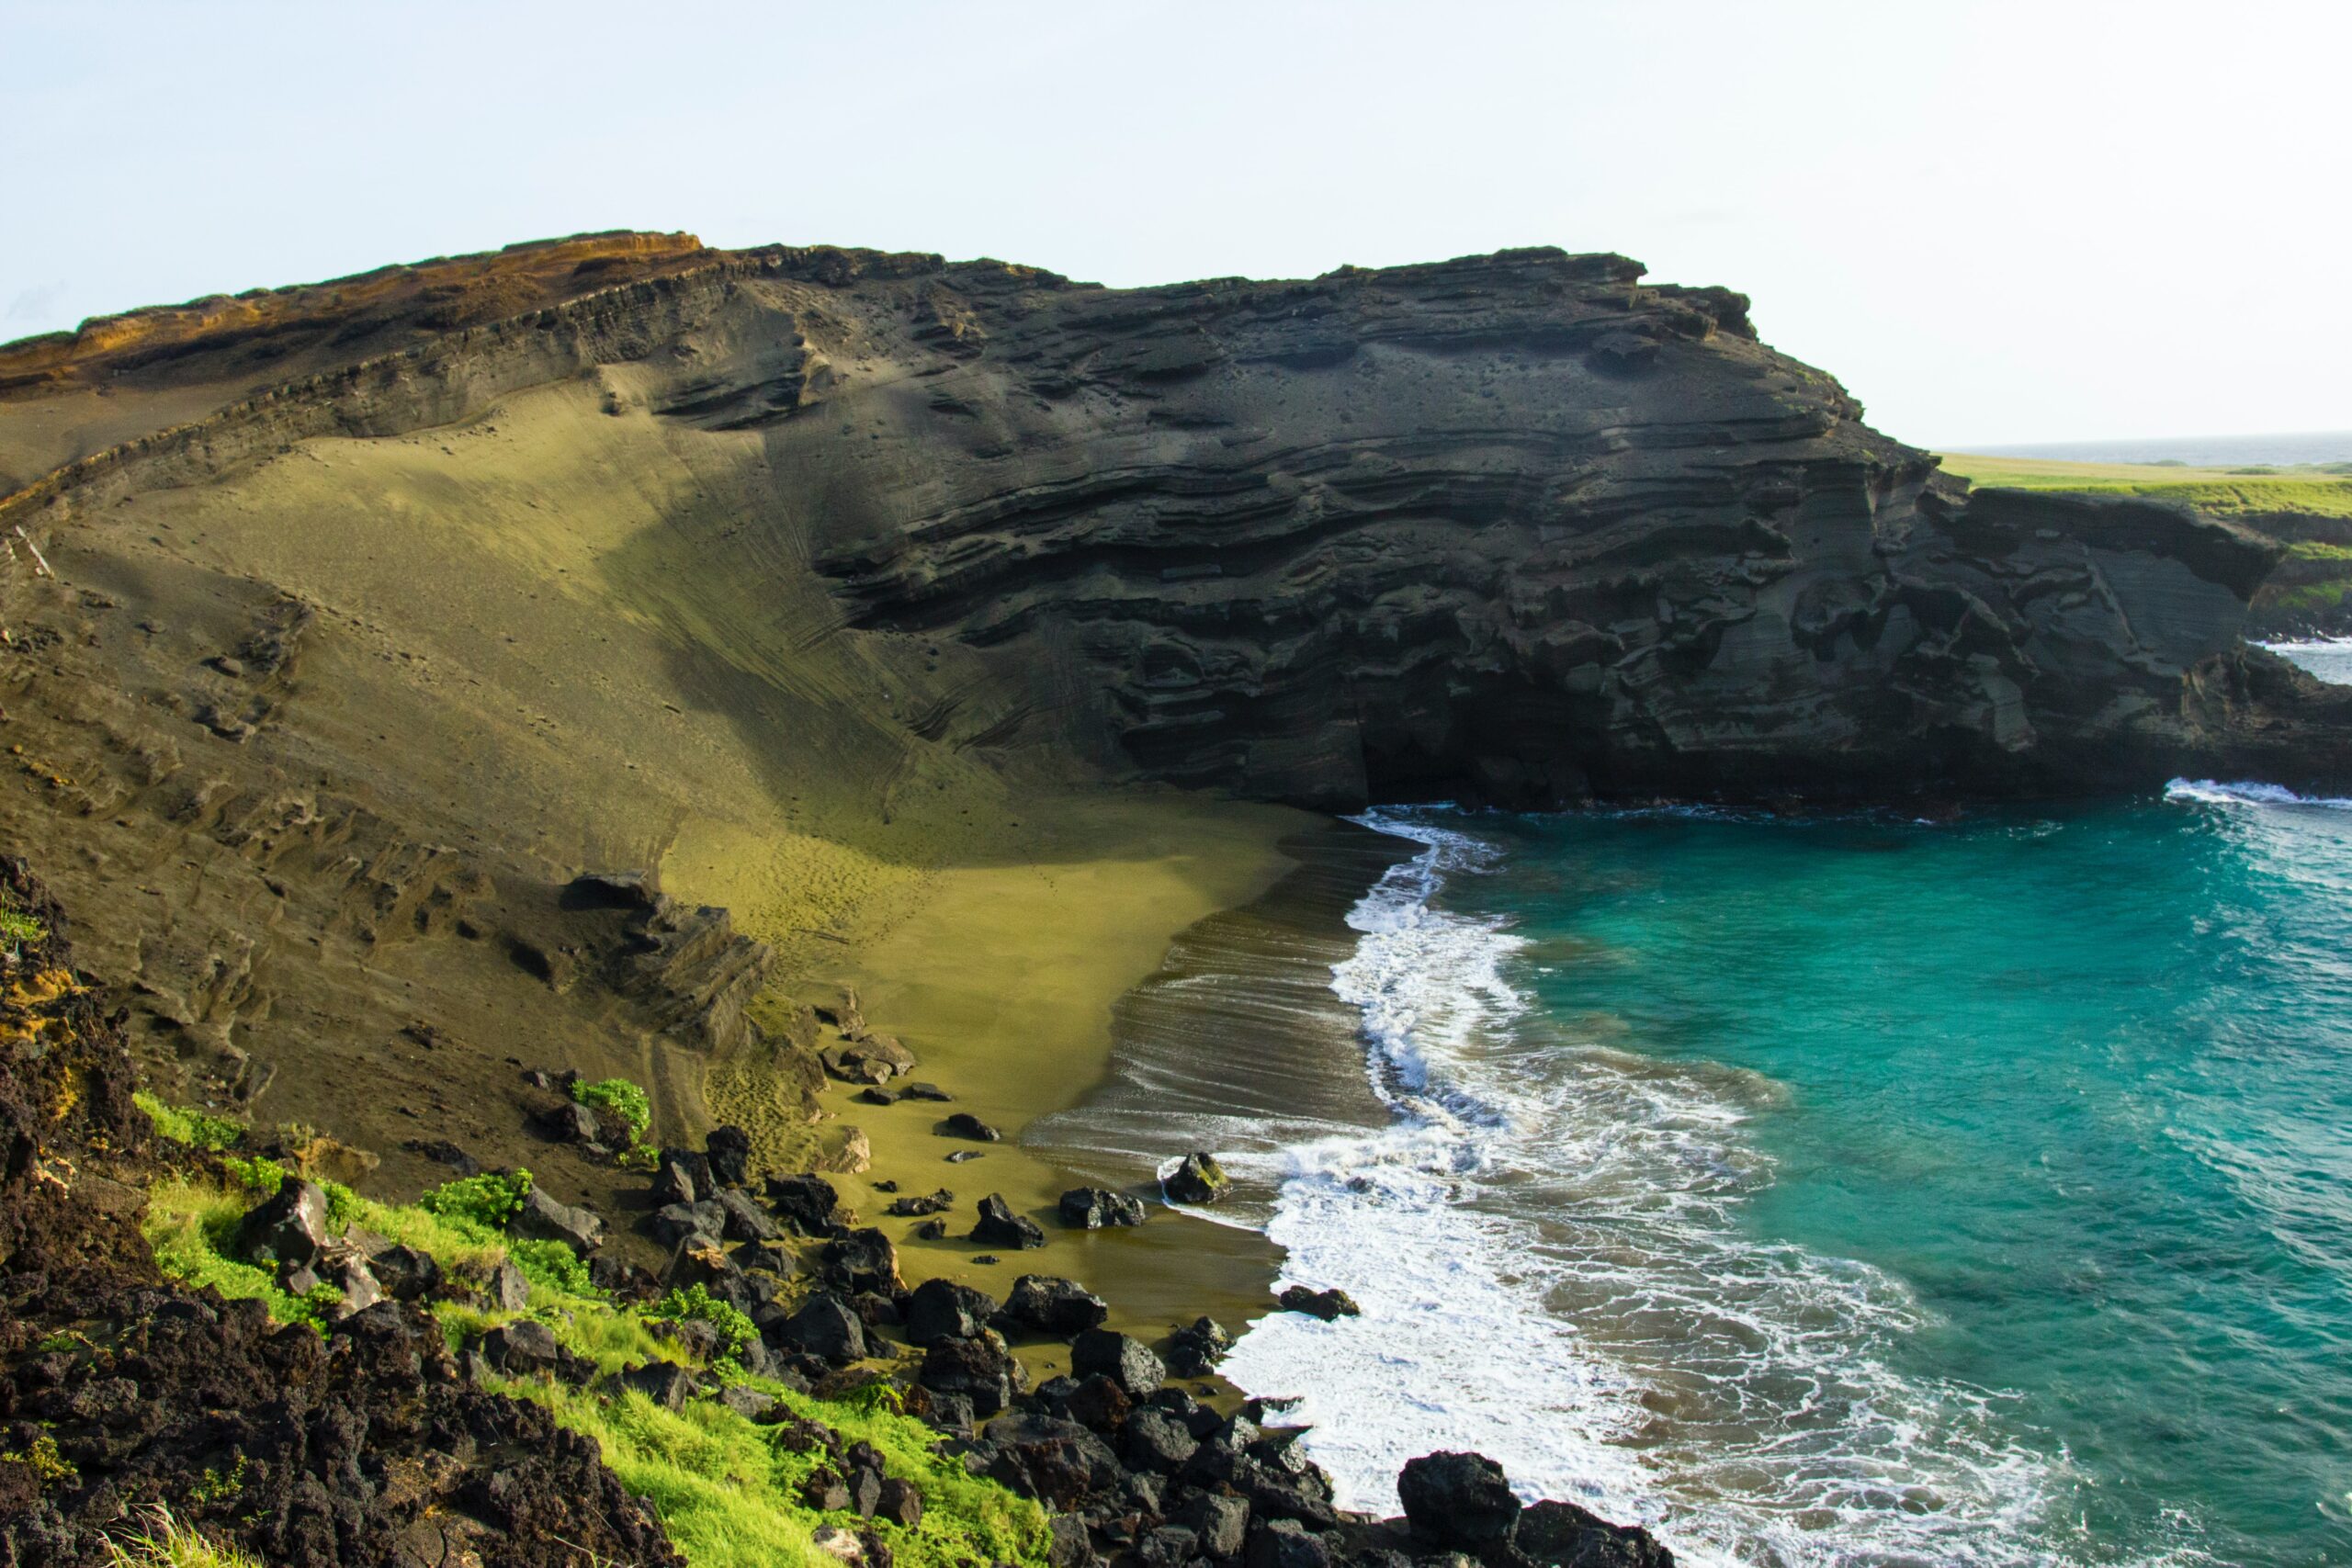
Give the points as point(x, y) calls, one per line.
point(1995, 224)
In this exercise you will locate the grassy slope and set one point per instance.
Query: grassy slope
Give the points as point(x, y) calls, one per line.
point(2216, 490)
point(725, 1488)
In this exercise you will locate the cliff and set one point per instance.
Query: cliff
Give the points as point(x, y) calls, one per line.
point(1516, 526)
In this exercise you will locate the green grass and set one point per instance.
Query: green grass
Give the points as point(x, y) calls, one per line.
point(2220, 492)
point(167, 1543)
point(726, 1490)
point(194, 1128)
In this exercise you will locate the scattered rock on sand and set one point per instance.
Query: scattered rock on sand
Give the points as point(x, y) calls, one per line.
point(1050, 1305)
point(1094, 1208)
point(964, 1124)
point(941, 1309)
point(999, 1226)
point(937, 1202)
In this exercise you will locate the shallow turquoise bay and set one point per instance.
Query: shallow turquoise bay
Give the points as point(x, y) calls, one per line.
point(2079, 1081)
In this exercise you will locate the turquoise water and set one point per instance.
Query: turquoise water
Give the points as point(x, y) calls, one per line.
point(2081, 1083)
point(1854, 1191)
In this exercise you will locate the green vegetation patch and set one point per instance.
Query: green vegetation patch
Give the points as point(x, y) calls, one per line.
point(18, 928)
point(2319, 491)
point(726, 1489)
point(623, 1099)
point(194, 1128)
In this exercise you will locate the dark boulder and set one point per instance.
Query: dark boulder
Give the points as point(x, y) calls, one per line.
point(541, 1218)
point(1325, 1304)
point(1094, 1208)
point(507, 1290)
point(1156, 1441)
point(1097, 1402)
point(729, 1152)
point(1197, 1178)
point(808, 1203)
point(666, 1383)
point(999, 1226)
point(900, 1503)
point(406, 1274)
point(520, 1348)
point(1123, 1359)
point(1285, 1543)
point(980, 1369)
point(1458, 1501)
point(678, 1223)
point(826, 1325)
point(288, 1228)
point(937, 1202)
point(1219, 1522)
point(1194, 1350)
point(930, 1091)
point(672, 1183)
point(1561, 1535)
point(570, 1122)
point(758, 1408)
point(863, 1260)
point(1059, 1463)
point(941, 1309)
point(745, 1220)
point(695, 1165)
point(1062, 1308)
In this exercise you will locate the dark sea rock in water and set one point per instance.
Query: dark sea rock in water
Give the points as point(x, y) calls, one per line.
point(1325, 1304)
point(1198, 1179)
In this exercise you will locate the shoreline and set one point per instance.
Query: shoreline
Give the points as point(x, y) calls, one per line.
point(1021, 987)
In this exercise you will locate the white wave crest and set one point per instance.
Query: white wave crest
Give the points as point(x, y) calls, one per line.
point(2247, 791)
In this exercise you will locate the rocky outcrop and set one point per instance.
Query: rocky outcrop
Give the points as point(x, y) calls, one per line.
point(119, 1390)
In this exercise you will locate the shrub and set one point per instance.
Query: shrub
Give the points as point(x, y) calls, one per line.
point(696, 1303)
point(485, 1202)
point(623, 1099)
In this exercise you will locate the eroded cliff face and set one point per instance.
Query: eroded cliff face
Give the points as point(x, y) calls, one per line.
point(1516, 526)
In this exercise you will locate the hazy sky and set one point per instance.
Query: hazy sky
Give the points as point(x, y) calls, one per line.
point(1994, 222)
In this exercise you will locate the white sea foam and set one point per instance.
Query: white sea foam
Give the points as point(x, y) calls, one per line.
point(2247, 791)
point(1545, 1247)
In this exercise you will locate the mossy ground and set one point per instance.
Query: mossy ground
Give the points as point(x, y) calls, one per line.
point(725, 1488)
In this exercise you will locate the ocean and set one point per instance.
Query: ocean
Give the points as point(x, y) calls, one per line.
point(1843, 1191)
